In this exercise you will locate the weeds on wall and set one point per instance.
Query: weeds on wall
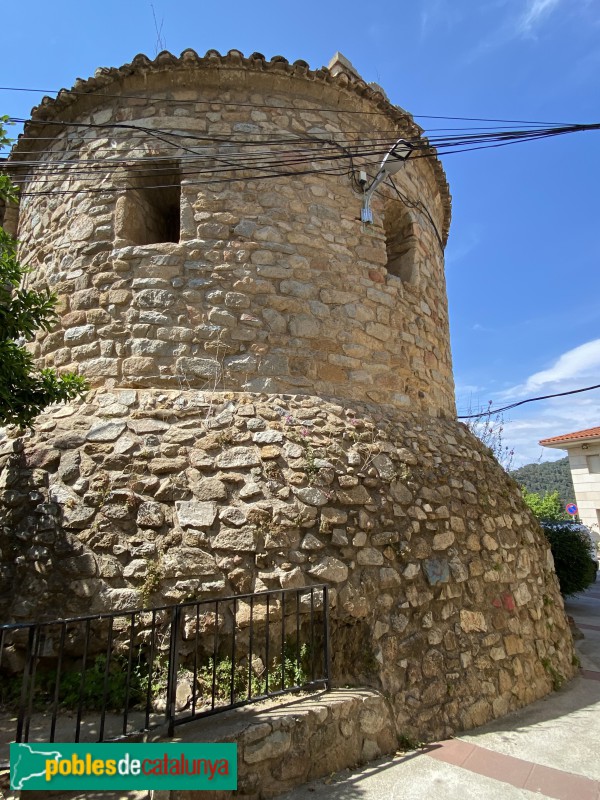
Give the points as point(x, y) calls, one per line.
point(99, 688)
point(489, 429)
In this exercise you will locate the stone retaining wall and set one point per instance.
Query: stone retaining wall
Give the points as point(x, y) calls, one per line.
point(279, 748)
point(280, 745)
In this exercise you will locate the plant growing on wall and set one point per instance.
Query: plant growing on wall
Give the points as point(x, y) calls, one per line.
point(489, 429)
point(24, 390)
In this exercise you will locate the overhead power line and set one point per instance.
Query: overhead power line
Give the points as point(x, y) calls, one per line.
point(229, 156)
point(439, 142)
point(551, 129)
point(492, 411)
point(265, 160)
point(269, 105)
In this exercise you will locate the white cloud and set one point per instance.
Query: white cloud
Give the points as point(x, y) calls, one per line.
point(526, 425)
point(535, 12)
point(569, 371)
point(546, 419)
point(520, 26)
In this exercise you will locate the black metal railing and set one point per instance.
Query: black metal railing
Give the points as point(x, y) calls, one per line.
point(102, 677)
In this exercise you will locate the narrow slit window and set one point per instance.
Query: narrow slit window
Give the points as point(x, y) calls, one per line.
point(151, 206)
point(400, 244)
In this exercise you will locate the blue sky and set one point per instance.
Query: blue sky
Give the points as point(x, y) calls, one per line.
point(524, 249)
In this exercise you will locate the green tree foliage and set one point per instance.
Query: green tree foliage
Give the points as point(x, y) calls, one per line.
point(549, 476)
point(547, 507)
point(24, 390)
point(573, 554)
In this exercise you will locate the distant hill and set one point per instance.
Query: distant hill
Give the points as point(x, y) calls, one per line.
point(550, 476)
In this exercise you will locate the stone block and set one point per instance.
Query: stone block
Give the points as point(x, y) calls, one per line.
point(401, 493)
point(150, 515)
point(274, 745)
point(237, 457)
point(472, 621)
point(207, 368)
point(99, 368)
point(78, 516)
point(436, 570)
point(304, 326)
point(195, 514)
point(241, 540)
point(521, 594)
point(333, 516)
point(267, 437)
point(442, 541)
point(330, 569)
point(369, 556)
point(83, 565)
point(312, 496)
point(136, 568)
point(233, 515)
point(186, 562)
point(385, 467)
point(80, 334)
point(208, 489)
point(357, 495)
point(139, 366)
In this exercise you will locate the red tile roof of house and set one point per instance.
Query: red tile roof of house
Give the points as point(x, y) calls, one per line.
point(588, 433)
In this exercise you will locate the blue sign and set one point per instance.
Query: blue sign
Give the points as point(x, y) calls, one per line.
point(571, 508)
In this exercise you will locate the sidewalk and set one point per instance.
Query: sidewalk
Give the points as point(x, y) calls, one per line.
point(549, 749)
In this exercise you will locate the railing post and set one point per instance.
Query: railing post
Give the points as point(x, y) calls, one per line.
point(173, 666)
point(25, 685)
point(326, 636)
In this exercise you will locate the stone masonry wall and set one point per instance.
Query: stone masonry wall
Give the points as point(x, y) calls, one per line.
point(303, 740)
point(442, 584)
point(271, 407)
point(274, 284)
point(281, 744)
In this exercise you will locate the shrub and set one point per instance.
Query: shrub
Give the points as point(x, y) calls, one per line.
point(547, 507)
point(573, 557)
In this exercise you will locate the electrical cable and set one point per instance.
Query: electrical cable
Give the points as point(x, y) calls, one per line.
point(170, 171)
point(275, 107)
point(491, 411)
point(414, 157)
point(272, 162)
point(420, 206)
point(419, 142)
point(220, 181)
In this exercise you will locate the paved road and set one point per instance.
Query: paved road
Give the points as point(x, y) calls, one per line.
point(549, 749)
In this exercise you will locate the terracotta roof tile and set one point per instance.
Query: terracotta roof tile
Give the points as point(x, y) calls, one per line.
point(107, 80)
point(588, 433)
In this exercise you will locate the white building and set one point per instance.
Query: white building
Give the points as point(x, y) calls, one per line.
point(583, 448)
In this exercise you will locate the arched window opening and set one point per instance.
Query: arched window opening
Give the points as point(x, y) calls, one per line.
point(400, 244)
point(151, 207)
